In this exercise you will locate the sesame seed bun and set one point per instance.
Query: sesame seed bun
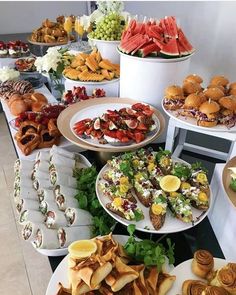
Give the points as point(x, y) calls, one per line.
point(174, 92)
point(193, 78)
point(228, 102)
point(219, 80)
point(190, 87)
point(213, 93)
point(209, 107)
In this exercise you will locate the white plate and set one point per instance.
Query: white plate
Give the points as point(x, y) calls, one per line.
point(62, 251)
point(171, 225)
point(98, 110)
point(193, 122)
point(183, 272)
point(61, 274)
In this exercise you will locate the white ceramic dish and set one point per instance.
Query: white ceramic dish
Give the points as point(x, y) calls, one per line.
point(183, 272)
point(107, 49)
point(171, 225)
point(60, 274)
point(193, 122)
point(110, 87)
point(98, 110)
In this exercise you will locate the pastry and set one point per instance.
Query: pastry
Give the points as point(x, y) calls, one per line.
point(46, 140)
point(226, 278)
point(23, 87)
point(14, 50)
point(87, 76)
point(193, 287)
point(49, 39)
point(202, 263)
point(28, 142)
point(52, 128)
point(91, 63)
point(213, 290)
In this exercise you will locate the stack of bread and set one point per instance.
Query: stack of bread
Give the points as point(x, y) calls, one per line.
point(91, 67)
point(19, 103)
point(216, 282)
point(215, 104)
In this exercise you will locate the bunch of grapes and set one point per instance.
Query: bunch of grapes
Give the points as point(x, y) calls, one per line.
point(109, 28)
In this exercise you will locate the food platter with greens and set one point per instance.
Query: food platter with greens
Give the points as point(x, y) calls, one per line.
point(154, 190)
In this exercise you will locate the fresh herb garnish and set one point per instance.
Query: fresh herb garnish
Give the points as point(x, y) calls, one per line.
point(232, 184)
point(126, 168)
point(147, 251)
point(181, 170)
point(86, 196)
point(198, 166)
point(162, 153)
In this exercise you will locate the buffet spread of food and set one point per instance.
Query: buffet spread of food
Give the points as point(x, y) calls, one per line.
point(61, 198)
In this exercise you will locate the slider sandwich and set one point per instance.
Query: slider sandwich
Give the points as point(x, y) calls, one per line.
point(208, 114)
point(174, 98)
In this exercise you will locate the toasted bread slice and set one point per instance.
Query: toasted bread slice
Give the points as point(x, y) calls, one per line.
point(146, 201)
point(157, 220)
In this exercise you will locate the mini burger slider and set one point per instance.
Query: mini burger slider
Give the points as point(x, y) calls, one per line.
point(208, 114)
point(228, 110)
point(193, 78)
point(191, 105)
point(174, 98)
point(219, 80)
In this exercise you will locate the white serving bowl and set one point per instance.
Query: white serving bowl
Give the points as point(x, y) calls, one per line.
point(107, 49)
point(145, 79)
point(110, 87)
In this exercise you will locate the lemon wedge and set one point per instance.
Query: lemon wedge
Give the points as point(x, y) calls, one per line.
point(170, 183)
point(82, 248)
point(233, 169)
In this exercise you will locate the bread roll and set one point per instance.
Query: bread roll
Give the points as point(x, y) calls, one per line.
point(37, 106)
point(17, 107)
point(39, 97)
point(202, 263)
point(14, 97)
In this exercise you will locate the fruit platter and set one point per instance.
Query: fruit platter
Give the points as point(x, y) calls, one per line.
point(155, 39)
point(229, 180)
point(116, 126)
point(157, 192)
point(96, 107)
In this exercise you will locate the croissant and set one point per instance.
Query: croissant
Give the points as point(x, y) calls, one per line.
point(226, 278)
point(28, 142)
point(202, 263)
point(193, 287)
point(213, 290)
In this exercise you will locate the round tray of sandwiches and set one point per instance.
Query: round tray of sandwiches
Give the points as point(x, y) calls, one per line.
point(111, 124)
point(211, 108)
point(155, 191)
point(44, 196)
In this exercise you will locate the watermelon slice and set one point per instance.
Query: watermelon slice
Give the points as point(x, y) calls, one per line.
point(134, 42)
point(172, 27)
point(170, 50)
point(155, 32)
point(159, 43)
point(140, 46)
point(184, 42)
point(182, 50)
point(150, 49)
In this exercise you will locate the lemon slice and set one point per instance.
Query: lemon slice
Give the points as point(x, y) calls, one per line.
point(233, 169)
point(170, 183)
point(82, 248)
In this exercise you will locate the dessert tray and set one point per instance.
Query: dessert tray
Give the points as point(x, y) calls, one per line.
point(183, 272)
point(84, 107)
point(192, 122)
point(226, 178)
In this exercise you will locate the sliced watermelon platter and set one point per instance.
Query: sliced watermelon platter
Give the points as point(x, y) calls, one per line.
point(155, 39)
